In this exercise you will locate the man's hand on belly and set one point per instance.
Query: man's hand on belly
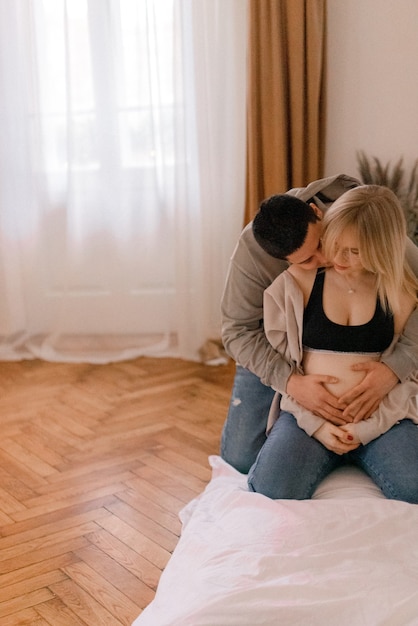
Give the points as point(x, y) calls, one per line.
point(364, 398)
point(310, 392)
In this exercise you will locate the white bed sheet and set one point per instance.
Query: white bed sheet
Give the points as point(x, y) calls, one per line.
point(348, 557)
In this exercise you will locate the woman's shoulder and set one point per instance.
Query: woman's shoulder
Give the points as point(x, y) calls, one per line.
point(303, 277)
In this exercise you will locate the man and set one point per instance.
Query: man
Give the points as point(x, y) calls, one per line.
point(264, 250)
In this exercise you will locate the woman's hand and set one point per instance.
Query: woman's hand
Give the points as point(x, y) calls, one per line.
point(335, 439)
point(352, 436)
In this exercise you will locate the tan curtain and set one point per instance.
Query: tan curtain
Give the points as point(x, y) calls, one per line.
point(286, 97)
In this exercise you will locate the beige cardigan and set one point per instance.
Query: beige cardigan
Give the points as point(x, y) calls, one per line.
point(283, 323)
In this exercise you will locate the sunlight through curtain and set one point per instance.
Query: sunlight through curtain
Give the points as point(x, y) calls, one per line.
point(122, 174)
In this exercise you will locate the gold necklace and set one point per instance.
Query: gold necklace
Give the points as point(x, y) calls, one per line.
point(350, 289)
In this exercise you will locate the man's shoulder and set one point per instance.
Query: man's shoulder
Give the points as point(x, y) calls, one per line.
point(325, 190)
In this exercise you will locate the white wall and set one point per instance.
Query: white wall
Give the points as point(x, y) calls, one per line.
point(372, 97)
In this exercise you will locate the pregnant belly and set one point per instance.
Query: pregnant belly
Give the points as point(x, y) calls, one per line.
point(337, 364)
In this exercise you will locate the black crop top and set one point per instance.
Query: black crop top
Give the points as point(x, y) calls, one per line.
point(320, 333)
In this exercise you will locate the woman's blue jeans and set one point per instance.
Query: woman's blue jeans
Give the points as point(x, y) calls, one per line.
point(291, 464)
point(244, 431)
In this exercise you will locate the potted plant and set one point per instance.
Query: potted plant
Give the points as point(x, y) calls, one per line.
point(373, 172)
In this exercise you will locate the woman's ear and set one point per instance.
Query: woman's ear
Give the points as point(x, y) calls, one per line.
point(317, 210)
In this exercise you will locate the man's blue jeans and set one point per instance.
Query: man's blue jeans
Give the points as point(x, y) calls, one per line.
point(244, 431)
point(291, 464)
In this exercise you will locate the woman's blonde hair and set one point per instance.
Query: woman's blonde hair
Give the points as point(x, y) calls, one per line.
point(376, 215)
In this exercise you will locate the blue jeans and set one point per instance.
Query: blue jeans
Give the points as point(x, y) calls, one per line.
point(244, 431)
point(291, 464)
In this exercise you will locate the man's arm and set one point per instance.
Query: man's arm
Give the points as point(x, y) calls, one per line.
point(381, 377)
point(243, 333)
point(404, 358)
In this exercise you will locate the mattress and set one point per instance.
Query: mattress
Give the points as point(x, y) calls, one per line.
point(347, 557)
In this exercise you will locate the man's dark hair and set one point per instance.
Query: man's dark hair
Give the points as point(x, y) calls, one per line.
point(281, 224)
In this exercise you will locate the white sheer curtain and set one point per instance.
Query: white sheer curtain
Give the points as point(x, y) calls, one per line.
point(122, 174)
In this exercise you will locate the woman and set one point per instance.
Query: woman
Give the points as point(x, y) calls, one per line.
point(327, 320)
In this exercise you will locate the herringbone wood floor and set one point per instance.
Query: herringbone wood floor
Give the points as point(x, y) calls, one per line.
point(95, 463)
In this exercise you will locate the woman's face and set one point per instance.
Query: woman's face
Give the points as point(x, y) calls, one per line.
point(346, 256)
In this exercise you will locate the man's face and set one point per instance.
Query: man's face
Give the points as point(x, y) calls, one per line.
point(309, 256)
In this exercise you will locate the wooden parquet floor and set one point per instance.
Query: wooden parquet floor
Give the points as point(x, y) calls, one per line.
point(96, 462)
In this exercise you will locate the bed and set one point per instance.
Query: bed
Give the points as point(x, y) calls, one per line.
point(348, 557)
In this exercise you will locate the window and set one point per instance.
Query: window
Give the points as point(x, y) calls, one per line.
point(105, 81)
